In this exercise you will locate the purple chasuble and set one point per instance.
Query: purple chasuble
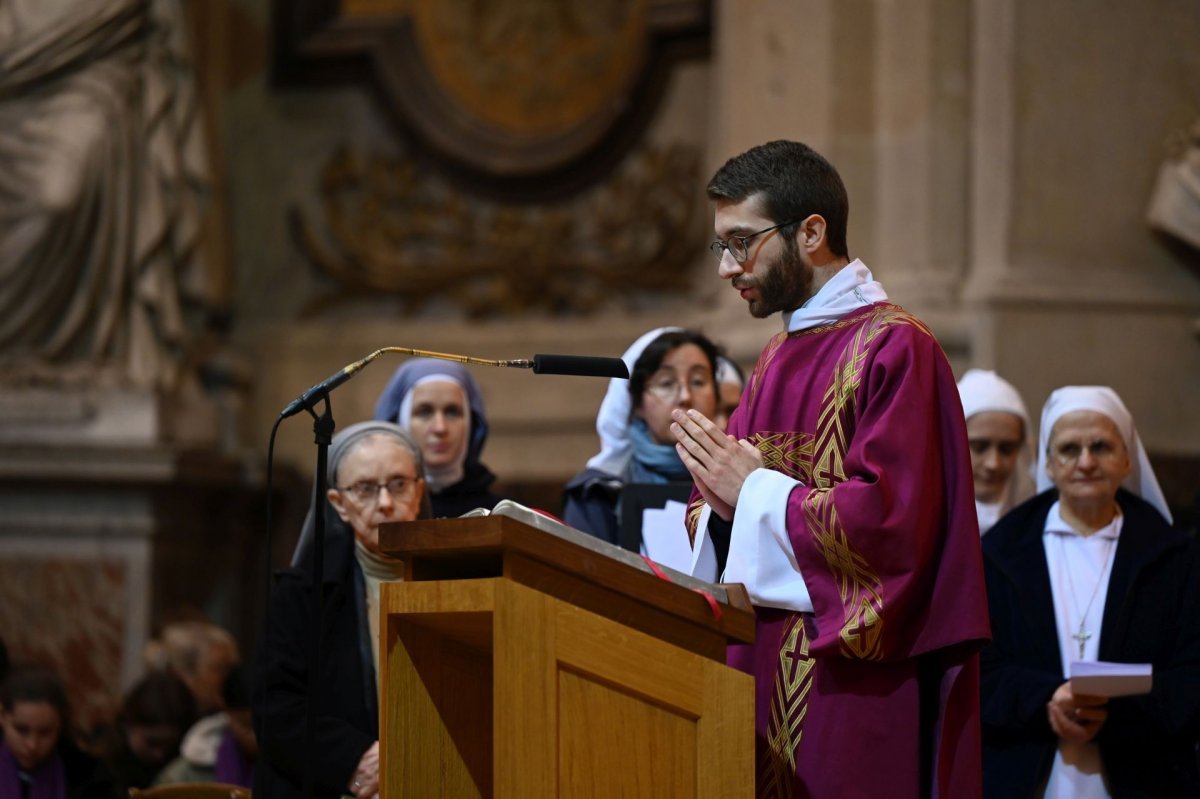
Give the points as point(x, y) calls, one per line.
point(875, 693)
point(232, 767)
point(47, 781)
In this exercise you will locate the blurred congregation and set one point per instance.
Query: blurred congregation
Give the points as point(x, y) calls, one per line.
point(207, 206)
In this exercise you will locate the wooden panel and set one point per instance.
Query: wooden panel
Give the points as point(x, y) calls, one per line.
point(636, 663)
point(615, 744)
point(725, 734)
point(526, 693)
point(438, 687)
point(579, 705)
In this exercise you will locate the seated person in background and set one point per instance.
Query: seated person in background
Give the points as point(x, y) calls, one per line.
point(221, 747)
point(669, 368)
point(38, 760)
point(1090, 569)
point(730, 382)
point(375, 476)
point(201, 654)
point(439, 404)
point(158, 710)
point(999, 435)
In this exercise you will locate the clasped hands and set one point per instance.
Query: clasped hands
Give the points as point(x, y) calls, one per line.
point(365, 781)
point(1076, 717)
point(719, 463)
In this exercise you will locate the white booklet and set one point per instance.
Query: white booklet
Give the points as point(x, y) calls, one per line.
point(1101, 678)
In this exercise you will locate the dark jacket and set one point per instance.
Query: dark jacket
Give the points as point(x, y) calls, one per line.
point(1152, 615)
point(590, 503)
point(469, 493)
point(345, 694)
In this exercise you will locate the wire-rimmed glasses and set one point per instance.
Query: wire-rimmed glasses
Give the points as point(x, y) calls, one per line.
point(739, 246)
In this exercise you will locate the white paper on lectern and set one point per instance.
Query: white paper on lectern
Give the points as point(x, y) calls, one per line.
point(664, 536)
point(1102, 678)
point(704, 554)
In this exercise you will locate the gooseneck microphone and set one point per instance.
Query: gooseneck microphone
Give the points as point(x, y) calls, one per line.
point(580, 365)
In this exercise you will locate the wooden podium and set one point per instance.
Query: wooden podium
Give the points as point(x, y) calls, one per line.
point(526, 662)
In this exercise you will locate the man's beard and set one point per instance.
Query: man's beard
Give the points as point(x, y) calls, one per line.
point(784, 286)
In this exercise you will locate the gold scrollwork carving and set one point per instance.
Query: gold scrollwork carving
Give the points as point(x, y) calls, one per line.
point(390, 230)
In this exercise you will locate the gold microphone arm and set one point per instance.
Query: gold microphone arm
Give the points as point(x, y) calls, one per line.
point(520, 363)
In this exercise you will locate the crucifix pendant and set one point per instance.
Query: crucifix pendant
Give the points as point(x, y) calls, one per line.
point(1082, 636)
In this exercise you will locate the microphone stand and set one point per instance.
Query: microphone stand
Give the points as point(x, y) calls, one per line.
point(323, 427)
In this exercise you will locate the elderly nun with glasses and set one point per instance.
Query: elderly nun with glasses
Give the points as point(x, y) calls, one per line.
point(669, 368)
point(1090, 569)
point(375, 475)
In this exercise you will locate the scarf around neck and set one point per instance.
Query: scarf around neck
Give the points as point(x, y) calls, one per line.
point(653, 462)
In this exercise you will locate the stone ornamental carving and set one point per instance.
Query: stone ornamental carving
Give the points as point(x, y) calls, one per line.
point(387, 229)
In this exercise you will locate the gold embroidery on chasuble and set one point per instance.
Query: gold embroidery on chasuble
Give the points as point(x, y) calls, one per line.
point(695, 508)
point(790, 453)
point(764, 360)
point(859, 586)
point(788, 707)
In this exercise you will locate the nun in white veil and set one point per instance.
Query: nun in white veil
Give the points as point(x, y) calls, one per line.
point(1001, 443)
point(1088, 570)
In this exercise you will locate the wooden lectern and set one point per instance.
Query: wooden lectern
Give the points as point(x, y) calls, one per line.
point(527, 662)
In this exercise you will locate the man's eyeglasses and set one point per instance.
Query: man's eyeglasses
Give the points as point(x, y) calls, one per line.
point(365, 492)
point(739, 246)
point(1069, 452)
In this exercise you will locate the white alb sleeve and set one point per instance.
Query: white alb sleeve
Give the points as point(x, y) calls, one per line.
point(760, 551)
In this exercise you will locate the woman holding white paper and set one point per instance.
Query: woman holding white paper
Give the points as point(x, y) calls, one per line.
point(1090, 569)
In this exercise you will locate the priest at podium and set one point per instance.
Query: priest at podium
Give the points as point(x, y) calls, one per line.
point(842, 498)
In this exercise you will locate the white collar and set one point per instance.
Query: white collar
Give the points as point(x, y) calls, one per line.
point(1056, 524)
point(853, 287)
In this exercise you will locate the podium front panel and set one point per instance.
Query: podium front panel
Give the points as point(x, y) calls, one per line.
point(496, 689)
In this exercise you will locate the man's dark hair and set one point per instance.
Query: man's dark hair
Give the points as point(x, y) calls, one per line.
point(35, 684)
point(652, 357)
point(160, 698)
point(794, 180)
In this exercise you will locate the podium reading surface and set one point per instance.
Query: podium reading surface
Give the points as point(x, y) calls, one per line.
point(526, 662)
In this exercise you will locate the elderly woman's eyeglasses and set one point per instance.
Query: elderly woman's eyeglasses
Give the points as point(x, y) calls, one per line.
point(365, 492)
point(739, 246)
point(1068, 453)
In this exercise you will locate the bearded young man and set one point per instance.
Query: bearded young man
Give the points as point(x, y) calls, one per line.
point(842, 498)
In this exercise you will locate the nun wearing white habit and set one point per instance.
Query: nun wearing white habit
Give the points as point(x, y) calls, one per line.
point(1090, 569)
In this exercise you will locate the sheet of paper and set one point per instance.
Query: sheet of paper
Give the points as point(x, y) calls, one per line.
point(664, 537)
point(1101, 678)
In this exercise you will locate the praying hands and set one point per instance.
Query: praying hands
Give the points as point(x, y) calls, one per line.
point(718, 463)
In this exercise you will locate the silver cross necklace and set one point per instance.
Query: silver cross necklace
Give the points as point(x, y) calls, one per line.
point(1083, 635)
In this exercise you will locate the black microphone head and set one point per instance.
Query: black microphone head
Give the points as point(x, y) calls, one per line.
point(583, 365)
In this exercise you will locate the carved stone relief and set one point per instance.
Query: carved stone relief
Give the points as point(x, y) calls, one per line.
point(387, 228)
